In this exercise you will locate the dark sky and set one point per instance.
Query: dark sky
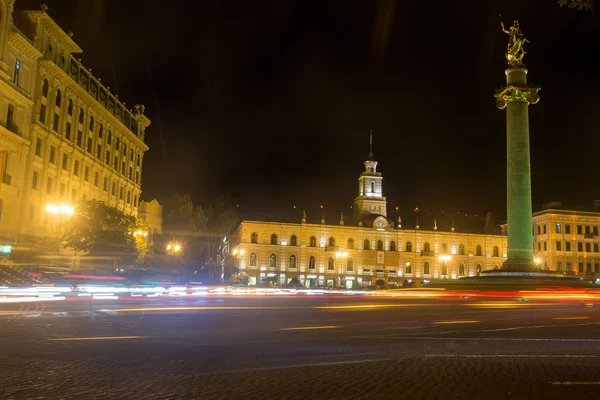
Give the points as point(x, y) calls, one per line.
point(271, 102)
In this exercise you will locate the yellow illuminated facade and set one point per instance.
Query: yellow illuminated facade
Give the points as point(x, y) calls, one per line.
point(370, 253)
point(63, 135)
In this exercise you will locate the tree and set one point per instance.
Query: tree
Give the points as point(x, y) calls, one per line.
point(181, 216)
point(586, 5)
point(99, 229)
point(221, 220)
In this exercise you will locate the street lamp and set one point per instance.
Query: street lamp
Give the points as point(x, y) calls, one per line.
point(341, 255)
point(173, 247)
point(60, 210)
point(444, 258)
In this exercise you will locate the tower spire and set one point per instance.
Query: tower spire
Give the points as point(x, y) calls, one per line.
point(371, 144)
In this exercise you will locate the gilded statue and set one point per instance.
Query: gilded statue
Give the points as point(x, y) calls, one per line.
point(515, 52)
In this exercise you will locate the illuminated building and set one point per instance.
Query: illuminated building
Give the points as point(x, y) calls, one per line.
point(63, 135)
point(152, 213)
point(372, 252)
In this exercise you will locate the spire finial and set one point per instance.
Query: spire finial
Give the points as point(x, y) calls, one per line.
point(452, 229)
point(342, 219)
point(435, 224)
point(303, 216)
point(371, 144)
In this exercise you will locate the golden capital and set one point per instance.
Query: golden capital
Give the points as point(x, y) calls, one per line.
point(510, 93)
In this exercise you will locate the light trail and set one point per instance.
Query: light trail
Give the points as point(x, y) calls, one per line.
point(456, 322)
point(306, 328)
point(97, 338)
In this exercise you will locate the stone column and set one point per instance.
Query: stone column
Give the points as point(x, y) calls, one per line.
point(516, 97)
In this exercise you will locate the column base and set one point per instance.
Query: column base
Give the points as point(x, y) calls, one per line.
point(520, 265)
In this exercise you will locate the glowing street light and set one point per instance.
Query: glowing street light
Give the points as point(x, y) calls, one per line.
point(173, 247)
point(60, 209)
point(444, 258)
point(537, 260)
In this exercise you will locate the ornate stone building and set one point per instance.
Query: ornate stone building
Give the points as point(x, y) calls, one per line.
point(63, 134)
point(371, 253)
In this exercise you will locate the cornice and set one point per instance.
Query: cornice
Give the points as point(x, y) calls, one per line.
point(23, 45)
point(11, 137)
point(54, 29)
point(56, 72)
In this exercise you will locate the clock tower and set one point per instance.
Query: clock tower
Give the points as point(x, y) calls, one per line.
point(370, 200)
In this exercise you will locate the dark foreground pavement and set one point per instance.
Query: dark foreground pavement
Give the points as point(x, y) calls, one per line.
point(299, 348)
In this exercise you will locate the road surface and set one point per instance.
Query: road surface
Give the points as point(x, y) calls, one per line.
point(299, 347)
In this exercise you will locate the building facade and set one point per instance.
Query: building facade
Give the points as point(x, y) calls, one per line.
point(567, 241)
point(151, 212)
point(63, 135)
point(370, 253)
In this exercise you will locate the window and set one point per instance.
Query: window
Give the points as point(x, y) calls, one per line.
point(408, 267)
point(409, 247)
point(426, 247)
point(539, 246)
point(569, 266)
point(253, 260)
point(559, 265)
point(108, 157)
point(312, 262)
point(273, 261)
point(331, 242)
point(596, 267)
point(49, 185)
point(99, 151)
point(558, 246)
point(45, 88)
point(426, 268)
point(76, 168)
point(461, 250)
point(34, 180)
point(330, 264)
point(53, 154)
point(558, 228)
point(105, 186)
point(79, 137)
point(496, 252)
point(567, 228)
point(580, 267)
point(114, 189)
point(579, 230)
point(81, 116)
point(55, 123)
point(579, 246)
point(595, 247)
point(293, 241)
point(588, 247)
point(100, 131)
point(17, 72)
point(96, 178)
point(588, 267)
point(392, 246)
point(544, 228)
point(10, 115)
point(444, 248)
point(350, 265)
point(43, 113)
point(92, 123)
point(372, 187)
point(68, 131)
point(461, 269)
point(292, 261)
point(70, 108)
point(478, 250)
point(379, 245)
point(273, 239)
point(587, 230)
point(58, 99)
point(128, 196)
point(444, 269)
point(350, 243)
point(109, 138)
point(65, 162)
point(366, 245)
point(478, 269)
point(121, 193)
point(545, 246)
point(595, 231)
point(117, 144)
point(89, 144)
point(539, 228)
point(254, 237)
point(568, 246)
point(313, 241)
point(38, 147)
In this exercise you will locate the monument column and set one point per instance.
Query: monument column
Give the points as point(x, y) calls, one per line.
point(516, 97)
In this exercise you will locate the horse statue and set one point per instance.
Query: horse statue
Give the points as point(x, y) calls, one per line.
point(515, 52)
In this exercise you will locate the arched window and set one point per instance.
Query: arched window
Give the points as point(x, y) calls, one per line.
point(312, 263)
point(81, 115)
point(109, 138)
point(350, 265)
point(331, 242)
point(426, 268)
point(408, 267)
point(100, 131)
point(409, 247)
point(273, 239)
point(478, 269)
point(426, 246)
point(478, 251)
point(444, 248)
point(379, 245)
point(461, 269)
point(461, 250)
point(496, 251)
point(293, 241)
point(392, 246)
point(372, 187)
point(273, 261)
point(117, 144)
point(444, 269)
point(313, 241)
point(366, 245)
point(330, 264)
point(58, 99)
point(92, 124)
point(292, 261)
point(350, 243)
point(45, 88)
point(70, 108)
point(253, 260)
point(254, 238)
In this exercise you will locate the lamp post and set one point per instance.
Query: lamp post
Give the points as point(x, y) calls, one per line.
point(444, 260)
point(238, 253)
point(60, 210)
point(341, 255)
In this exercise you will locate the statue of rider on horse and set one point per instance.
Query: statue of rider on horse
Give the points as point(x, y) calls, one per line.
point(515, 52)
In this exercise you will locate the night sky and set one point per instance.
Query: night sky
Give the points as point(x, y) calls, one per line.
point(271, 102)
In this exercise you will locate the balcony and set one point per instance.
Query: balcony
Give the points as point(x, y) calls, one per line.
point(332, 248)
point(427, 253)
point(588, 235)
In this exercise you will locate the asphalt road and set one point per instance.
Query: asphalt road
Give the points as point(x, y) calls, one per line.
point(299, 348)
